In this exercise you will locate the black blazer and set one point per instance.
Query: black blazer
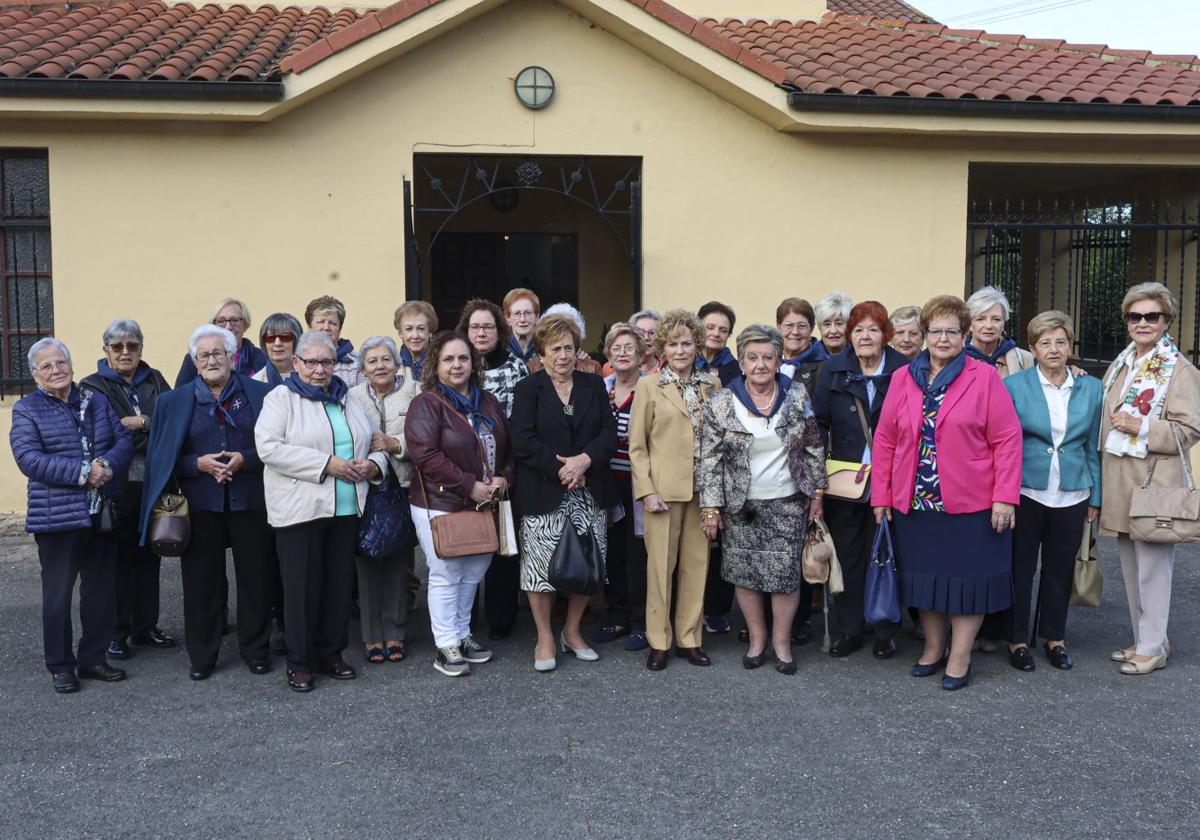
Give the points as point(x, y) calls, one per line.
point(833, 400)
point(540, 430)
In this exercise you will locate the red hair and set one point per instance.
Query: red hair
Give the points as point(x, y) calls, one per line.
point(871, 310)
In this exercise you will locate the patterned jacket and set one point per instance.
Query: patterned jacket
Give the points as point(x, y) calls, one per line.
point(501, 381)
point(725, 449)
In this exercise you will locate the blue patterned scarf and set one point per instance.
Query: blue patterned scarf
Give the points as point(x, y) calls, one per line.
point(995, 356)
point(416, 364)
point(514, 347)
point(919, 368)
point(469, 406)
point(344, 349)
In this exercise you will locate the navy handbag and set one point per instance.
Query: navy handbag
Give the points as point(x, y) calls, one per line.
point(881, 600)
point(385, 529)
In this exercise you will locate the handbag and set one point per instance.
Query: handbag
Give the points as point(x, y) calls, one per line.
point(817, 553)
point(851, 480)
point(506, 529)
point(106, 521)
point(170, 526)
point(575, 566)
point(1166, 514)
point(385, 528)
point(1087, 584)
point(881, 599)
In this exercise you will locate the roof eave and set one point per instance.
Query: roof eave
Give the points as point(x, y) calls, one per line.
point(923, 106)
point(261, 91)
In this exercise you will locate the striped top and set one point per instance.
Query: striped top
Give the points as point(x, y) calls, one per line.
point(619, 464)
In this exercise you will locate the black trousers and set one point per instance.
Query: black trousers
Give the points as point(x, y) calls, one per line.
point(501, 584)
point(625, 591)
point(204, 585)
point(137, 576)
point(316, 563)
point(718, 593)
point(852, 526)
point(1055, 533)
point(90, 556)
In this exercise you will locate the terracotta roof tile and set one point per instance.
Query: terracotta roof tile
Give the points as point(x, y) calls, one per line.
point(885, 9)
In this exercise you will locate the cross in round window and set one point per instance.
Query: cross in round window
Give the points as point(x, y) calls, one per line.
point(534, 87)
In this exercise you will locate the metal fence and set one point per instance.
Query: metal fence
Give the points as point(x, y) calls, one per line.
point(27, 304)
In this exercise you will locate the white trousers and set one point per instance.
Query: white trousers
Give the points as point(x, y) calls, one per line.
point(451, 585)
point(1147, 569)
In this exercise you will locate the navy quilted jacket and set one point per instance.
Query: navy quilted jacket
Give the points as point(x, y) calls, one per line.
point(46, 444)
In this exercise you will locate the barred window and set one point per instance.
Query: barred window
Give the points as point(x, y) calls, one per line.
point(26, 307)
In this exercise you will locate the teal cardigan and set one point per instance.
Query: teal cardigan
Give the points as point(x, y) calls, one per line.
point(1079, 455)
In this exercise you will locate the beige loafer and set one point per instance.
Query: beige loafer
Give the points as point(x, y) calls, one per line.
point(1140, 668)
point(1124, 654)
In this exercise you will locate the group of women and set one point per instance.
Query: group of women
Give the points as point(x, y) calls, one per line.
point(695, 471)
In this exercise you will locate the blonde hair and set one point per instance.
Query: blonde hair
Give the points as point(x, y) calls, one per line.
point(1044, 322)
point(672, 322)
point(416, 307)
point(1152, 291)
point(223, 302)
point(620, 329)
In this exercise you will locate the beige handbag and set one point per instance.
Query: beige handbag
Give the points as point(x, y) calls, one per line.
point(1087, 584)
point(1166, 514)
point(506, 529)
point(851, 480)
point(818, 554)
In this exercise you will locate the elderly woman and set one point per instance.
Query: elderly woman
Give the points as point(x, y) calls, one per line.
point(327, 314)
point(625, 591)
point(484, 325)
point(564, 437)
point(1060, 485)
point(714, 355)
point(848, 399)
point(583, 362)
point(522, 308)
point(384, 398)
point(645, 321)
point(946, 471)
point(1151, 395)
point(664, 449)
point(459, 444)
point(315, 448)
point(132, 389)
point(832, 312)
point(203, 438)
point(233, 315)
point(277, 337)
point(762, 470)
point(907, 338)
point(802, 356)
point(415, 322)
point(70, 444)
point(990, 311)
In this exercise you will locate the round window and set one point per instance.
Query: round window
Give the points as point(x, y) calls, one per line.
point(534, 87)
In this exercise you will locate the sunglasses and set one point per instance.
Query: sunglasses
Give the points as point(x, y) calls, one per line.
point(286, 338)
point(1148, 317)
point(126, 347)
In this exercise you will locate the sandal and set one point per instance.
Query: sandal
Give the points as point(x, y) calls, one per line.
point(375, 655)
point(396, 653)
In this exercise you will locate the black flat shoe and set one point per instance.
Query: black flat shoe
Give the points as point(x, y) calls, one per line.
point(695, 655)
point(65, 682)
point(920, 670)
point(802, 635)
point(299, 681)
point(198, 674)
point(338, 670)
point(950, 683)
point(884, 648)
point(788, 667)
point(845, 646)
point(104, 673)
point(118, 649)
point(258, 666)
point(1059, 657)
point(656, 660)
point(752, 662)
point(154, 638)
point(1021, 659)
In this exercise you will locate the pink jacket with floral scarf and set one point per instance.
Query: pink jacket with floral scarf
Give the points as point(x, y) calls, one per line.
point(978, 440)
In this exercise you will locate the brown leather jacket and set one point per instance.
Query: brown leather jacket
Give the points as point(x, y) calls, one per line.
point(445, 451)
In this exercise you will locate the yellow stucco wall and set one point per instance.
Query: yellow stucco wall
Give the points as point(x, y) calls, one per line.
point(156, 221)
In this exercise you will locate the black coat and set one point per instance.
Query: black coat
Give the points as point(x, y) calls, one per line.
point(833, 400)
point(540, 430)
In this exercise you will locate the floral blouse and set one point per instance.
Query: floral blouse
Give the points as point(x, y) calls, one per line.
point(927, 494)
point(693, 401)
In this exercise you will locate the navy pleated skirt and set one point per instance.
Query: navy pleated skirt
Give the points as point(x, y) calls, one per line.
point(952, 563)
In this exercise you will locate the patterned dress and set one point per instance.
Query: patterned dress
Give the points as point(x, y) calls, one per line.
point(927, 494)
point(540, 535)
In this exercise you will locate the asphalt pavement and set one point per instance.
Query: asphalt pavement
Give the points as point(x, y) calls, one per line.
point(845, 749)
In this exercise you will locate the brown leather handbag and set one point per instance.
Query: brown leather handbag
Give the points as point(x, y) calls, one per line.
point(170, 526)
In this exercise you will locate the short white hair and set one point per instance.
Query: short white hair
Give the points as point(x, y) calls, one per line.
point(571, 312)
point(315, 337)
point(212, 331)
point(833, 305)
point(42, 345)
point(373, 342)
point(985, 299)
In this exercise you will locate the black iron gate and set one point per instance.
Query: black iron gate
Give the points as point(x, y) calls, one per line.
point(1080, 255)
point(26, 305)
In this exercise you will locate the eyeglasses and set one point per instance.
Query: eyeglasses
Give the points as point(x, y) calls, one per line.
point(936, 334)
point(227, 322)
point(49, 367)
point(484, 328)
point(211, 355)
point(788, 326)
point(313, 364)
point(622, 350)
point(286, 338)
point(125, 347)
point(522, 314)
point(1138, 317)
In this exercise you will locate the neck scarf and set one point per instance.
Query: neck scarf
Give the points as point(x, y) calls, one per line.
point(468, 406)
point(344, 349)
point(738, 386)
point(920, 368)
point(1146, 392)
point(1006, 344)
point(722, 358)
point(815, 352)
point(417, 365)
point(335, 393)
point(274, 377)
point(220, 407)
point(514, 347)
point(139, 376)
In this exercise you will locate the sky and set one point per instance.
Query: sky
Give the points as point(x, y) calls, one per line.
point(1164, 26)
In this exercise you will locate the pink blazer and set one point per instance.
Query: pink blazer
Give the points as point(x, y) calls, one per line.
point(978, 443)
